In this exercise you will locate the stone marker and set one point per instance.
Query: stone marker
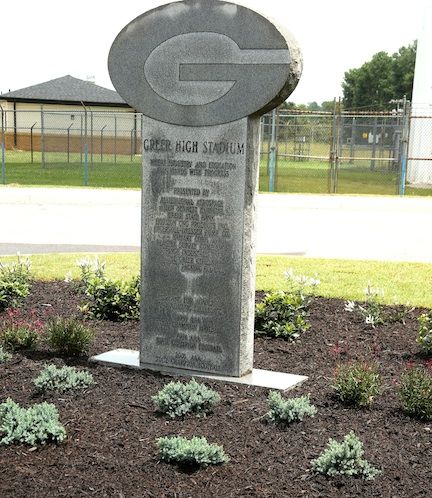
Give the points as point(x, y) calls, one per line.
point(201, 72)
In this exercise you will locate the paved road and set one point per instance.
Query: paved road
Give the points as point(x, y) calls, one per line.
point(35, 220)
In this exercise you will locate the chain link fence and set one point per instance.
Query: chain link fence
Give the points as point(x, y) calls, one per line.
point(301, 143)
point(100, 149)
point(307, 152)
point(340, 152)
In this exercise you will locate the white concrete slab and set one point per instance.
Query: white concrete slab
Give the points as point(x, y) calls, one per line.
point(259, 378)
point(118, 358)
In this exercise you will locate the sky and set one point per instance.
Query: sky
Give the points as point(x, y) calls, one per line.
point(47, 39)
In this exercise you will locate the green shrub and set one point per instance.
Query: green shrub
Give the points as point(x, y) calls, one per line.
point(177, 399)
point(424, 337)
point(357, 383)
point(282, 314)
point(17, 337)
point(285, 411)
point(18, 333)
point(37, 424)
point(68, 336)
point(62, 379)
point(4, 355)
point(108, 299)
point(345, 458)
point(415, 392)
point(15, 283)
point(195, 452)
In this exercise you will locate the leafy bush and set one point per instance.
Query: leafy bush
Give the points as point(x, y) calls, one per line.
point(285, 412)
point(177, 399)
point(415, 392)
point(195, 452)
point(424, 337)
point(68, 336)
point(15, 283)
point(37, 424)
point(15, 338)
point(345, 458)
point(357, 383)
point(19, 333)
point(282, 314)
point(62, 379)
point(108, 299)
point(4, 355)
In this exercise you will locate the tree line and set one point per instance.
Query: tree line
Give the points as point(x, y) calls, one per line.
point(374, 85)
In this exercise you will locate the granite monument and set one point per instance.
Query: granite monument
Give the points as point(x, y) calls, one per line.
point(202, 72)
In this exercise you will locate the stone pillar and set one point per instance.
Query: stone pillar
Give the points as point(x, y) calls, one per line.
point(201, 72)
point(198, 257)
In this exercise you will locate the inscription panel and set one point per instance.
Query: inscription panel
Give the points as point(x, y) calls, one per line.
point(192, 240)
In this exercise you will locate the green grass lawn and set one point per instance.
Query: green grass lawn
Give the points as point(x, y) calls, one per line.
point(404, 283)
point(57, 171)
point(314, 177)
point(292, 176)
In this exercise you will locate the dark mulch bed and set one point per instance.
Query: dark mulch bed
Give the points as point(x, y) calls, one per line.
point(112, 427)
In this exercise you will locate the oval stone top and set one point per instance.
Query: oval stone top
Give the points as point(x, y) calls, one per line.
point(203, 63)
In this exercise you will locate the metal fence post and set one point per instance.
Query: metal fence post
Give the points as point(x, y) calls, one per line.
point(374, 135)
point(278, 132)
point(3, 167)
point(353, 138)
point(272, 161)
point(141, 134)
point(268, 129)
point(131, 144)
point(333, 152)
point(81, 138)
point(31, 142)
point(86, 172)
point(340, 143)
point(42, 138)
point(3, 164)
point(91, 137)
point(101, 142)
point(382, 140)
point(135, 133)
point(68, 142)
point(86, 168)
point(115, 138)
point(405, 139)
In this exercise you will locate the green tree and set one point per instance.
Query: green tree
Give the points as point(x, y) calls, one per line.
point(293, 106)
point(327, 105)
point(383, 78)
point(313, 106)
point(404, 62)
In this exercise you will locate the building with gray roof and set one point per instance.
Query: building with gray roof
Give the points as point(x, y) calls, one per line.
point(66, 90)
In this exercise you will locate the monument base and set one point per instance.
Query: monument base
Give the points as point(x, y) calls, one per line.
point(259, 378)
